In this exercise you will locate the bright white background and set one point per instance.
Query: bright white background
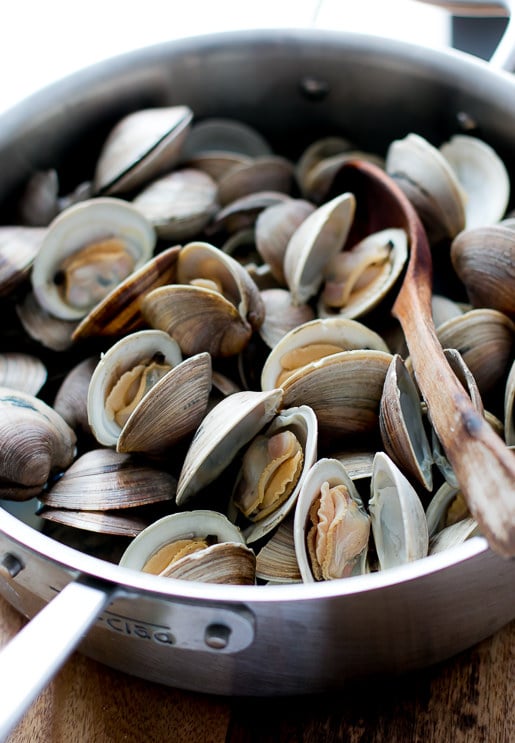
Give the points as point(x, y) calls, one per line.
point(44, 41)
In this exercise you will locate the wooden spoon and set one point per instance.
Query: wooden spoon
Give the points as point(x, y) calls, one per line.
point(482, 463)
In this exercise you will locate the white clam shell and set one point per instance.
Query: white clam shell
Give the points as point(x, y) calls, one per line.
point(431, 184)
point(140, 146)
point(369, 296)
point(319, 237)
point(453, 535)
point(228, 426)
point(438, 506)
point(179, 204)
point(324, 470)
point(338, 331)
point(401, 423)
point(399, 523)
point(184, 525)
point(121, 357)
point(483, 177)
point(303, 423)
point(81, 224)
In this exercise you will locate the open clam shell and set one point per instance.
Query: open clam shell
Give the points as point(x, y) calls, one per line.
point(120, 359)
point(402, 426)
point(430, 183)
point(214, 307)
point(141, 146)
point(315, 153)
point(483, 177)
point(343, 389)
point(312, 341)
point(228, 426)
point(193, 545)
point(331, 526)
point(397, 516)
point(322, 178)
point(171, 410)
point(281, 315)
point(86, 251)
point(104, 480)
point(446, 507)
point(274, 227)
point(143, 398)
point(273, 469)
point(242, 213)
point(318, 238)
point(358, 278)
point(453, 535)
point(119, 312)
point(468, 381)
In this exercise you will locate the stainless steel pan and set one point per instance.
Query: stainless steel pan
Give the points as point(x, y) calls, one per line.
point(292, 86)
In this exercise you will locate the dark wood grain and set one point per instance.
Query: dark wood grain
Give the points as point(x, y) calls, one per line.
point(468, 699)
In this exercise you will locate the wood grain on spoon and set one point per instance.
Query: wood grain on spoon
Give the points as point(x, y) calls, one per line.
point(482, 463)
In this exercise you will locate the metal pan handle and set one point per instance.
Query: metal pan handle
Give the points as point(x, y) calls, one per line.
point(504, 56)
point(35, 654)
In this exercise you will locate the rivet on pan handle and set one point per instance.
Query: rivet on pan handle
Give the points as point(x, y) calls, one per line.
point(30, 660)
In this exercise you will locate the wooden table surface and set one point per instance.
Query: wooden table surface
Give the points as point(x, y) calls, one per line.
point(469, 699)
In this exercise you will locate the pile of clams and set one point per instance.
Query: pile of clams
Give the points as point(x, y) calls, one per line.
point(200, 366)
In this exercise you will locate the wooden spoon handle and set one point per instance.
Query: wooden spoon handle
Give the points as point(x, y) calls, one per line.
point(482, 463)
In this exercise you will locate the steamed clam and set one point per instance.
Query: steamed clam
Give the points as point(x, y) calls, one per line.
point(210, 284)
point(143, 397)
point(397, 515)
point(228, 426)
point(193, 545)
point(313, 340)
point(36, 443)
point(332, 528)
point(359, 277)
point(179, 204)
point(402, 425)
point(22, 371)
point(140, 147)
point(483, 257)
point(272, 471)
point(319, 237)
point(86, 251)
point(103, 479)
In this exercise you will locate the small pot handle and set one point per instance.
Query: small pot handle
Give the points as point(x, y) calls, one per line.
point(35, 654)
point(503, 57)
